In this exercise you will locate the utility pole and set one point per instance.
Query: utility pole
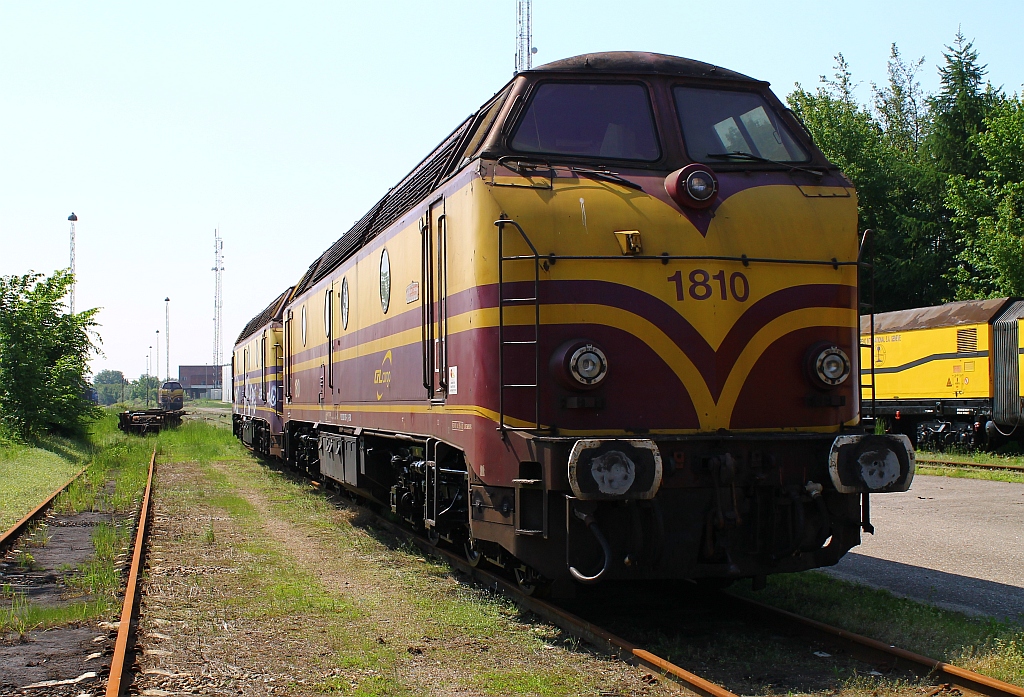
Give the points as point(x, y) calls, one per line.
point(525, 49)
point(167, 334)
point(149, 357)
point(157, 356)
point(218, 271)
point(71, 305)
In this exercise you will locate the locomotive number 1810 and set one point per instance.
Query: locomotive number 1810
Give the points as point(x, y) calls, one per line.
point(701, 288)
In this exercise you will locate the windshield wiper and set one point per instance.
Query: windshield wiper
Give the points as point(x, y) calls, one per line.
point(751, 157)
point(607, 176)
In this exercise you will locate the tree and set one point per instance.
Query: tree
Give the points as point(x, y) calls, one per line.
point(108, 377)
point(989, 209)
point(959, 110)
point(43, 356)
point(145, 384)
point(899, 194)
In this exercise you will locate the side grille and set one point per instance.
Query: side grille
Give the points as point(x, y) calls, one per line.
point(1006, 366)
point(967, 340)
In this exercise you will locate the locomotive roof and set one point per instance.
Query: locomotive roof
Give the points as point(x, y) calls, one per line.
point(272, 311)
point(641, 62)
point(948, 315)
point(445, 158)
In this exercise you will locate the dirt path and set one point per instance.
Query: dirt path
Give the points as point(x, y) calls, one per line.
point(259, 585)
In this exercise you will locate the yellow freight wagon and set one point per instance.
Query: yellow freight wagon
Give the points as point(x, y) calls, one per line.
point(945, 375)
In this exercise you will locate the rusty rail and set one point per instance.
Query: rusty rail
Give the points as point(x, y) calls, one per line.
point(117, 664)
point(15, 531)
point(872, 649)
point(979, 465)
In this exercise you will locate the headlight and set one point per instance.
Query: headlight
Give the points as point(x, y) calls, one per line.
point(693, 186)
point(588, 365)
point(832, 366)
point(700, 185)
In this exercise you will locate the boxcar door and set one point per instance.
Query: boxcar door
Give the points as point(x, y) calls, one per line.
point(433, 302)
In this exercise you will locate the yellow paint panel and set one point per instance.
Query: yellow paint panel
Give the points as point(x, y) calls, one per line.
point(924, 364)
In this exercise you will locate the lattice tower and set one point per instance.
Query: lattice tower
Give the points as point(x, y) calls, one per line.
point(524, 35)
point(218, 271)
point(71, 302)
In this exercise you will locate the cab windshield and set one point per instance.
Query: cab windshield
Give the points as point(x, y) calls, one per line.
point(594, 120)
point(722, 125)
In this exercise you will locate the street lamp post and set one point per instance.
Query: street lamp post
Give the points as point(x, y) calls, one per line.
point(149, 358)
point(167, 335)
point(158, 356)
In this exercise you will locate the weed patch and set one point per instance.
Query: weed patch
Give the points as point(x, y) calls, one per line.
point(986, 645)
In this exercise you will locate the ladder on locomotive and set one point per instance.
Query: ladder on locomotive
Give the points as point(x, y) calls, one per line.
point(869, 268)
point(529, 344)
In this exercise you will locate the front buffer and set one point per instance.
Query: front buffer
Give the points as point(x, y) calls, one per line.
point(728, 507)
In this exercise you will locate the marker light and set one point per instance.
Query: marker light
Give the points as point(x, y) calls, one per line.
point(832, 366)
point(588, 365)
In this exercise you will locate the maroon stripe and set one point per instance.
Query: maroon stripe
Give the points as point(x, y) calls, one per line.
point(713, 366)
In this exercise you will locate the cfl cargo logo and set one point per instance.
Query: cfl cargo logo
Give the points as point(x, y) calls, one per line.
point(382, 376)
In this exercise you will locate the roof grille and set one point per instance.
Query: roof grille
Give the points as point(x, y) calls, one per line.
point(967, 340)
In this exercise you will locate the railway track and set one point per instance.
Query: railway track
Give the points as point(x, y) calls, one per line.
point(18, 529)
point(116, 683)
point(978, 465)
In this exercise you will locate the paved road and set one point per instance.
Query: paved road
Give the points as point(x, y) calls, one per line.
point(955, 543)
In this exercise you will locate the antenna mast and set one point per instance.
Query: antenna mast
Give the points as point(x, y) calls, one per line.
point(71, 305)
point(524, 35)
point(218, 270)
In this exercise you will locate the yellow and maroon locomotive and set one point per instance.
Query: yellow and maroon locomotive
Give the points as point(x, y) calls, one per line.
point(607, 329)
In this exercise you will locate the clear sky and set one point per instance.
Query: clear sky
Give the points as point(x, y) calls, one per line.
point(282, 123)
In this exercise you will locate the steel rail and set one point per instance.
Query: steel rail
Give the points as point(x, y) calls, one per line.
point(872, 649)
point(979, 465)
point(117, 663)
point(15, 531)
point(573, 624)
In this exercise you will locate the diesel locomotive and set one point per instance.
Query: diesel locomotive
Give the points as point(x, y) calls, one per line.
point(947, 376)
point(607, 329)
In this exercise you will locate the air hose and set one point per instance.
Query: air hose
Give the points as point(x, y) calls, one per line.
point(588, 518)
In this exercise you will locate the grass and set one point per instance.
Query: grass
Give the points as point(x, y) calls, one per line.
point(988, 646)
point(113, 482)
point(409, 596)
point(968, 472)
point(973, 457)
point(31, 471)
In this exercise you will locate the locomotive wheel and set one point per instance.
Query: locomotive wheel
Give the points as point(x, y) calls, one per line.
point(527, 579)
point(473, 555)
point(433, 536)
